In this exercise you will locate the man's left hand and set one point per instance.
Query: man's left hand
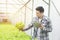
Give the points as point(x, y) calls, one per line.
point(41, 26)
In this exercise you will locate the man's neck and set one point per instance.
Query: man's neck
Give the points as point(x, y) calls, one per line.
point(41, 17)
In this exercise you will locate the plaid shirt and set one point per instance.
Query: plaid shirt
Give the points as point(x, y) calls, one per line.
point(43, 34)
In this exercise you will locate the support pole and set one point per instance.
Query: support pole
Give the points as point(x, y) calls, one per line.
point(32, 16)
point(49, 9)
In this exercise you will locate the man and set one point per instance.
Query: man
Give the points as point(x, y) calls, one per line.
point(41, 32)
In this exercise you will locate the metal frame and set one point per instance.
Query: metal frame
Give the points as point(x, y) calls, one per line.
point(24, 4)
point(49, 4)
point(56, 8)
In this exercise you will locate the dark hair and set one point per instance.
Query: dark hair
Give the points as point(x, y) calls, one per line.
point(40, 9)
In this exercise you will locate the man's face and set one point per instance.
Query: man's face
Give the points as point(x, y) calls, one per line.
point(39, 14)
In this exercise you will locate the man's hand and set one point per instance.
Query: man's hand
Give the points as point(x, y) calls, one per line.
point(23, 30)
point(41, 26)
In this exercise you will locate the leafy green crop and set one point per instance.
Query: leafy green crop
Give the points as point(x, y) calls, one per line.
point(36, 24)
point(20, 25)
point(9, 32)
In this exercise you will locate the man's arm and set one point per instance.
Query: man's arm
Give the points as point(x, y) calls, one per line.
point(31, 24)
point(27, 28)
point(48, 27)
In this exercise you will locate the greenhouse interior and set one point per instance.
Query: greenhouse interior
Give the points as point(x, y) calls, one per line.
point(18, 14)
